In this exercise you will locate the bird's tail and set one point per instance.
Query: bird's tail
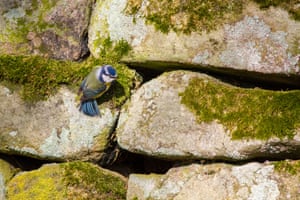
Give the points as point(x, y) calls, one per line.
point(90, 108)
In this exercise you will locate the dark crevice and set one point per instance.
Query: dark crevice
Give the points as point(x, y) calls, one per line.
point(239, 78)
point(129, 163)
point(126, 163)
point(23, 163)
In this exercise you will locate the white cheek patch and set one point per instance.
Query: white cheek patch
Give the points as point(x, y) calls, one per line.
point(107, 79)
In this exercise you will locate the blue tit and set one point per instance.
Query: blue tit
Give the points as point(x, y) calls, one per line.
point(93, 86)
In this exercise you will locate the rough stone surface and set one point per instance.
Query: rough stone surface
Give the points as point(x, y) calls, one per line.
point(6, 173)
point(52, 129)
point(156, 123)
point(57, 29)
point(265, 41)
point(72, 180)
point(253, 181)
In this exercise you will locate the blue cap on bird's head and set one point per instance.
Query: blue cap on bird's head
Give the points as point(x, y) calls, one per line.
point(110, 71)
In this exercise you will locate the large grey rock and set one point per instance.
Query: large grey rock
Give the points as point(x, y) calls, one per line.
point(52, 129)
point(243, 38)
point(227, 122)
point(57, 29)
point(253, 181)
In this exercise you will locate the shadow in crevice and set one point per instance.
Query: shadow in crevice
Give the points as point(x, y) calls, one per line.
point(239, 78)
point(129, 163)
point(23, 163)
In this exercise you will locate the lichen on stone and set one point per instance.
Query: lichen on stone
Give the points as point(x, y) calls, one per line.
point(264, 50)
point(73, 180)
point(44, 183)
point(247, 113)
point(185, 16)
point(87, 181)
point(25, 18)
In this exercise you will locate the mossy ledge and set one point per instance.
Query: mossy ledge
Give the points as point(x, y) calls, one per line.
point(40, 77)
point(188, 16)
point(247, 113)
point(71, 180)
point(87, 179)
point(43, 183)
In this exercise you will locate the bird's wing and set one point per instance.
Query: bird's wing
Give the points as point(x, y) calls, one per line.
point(91, 93)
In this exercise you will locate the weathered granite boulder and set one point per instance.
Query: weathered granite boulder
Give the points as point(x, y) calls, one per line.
point(188, 115)
point(6, 173)
point(74, 180)
point(52, 129)
point(218, 35)
point(269, 181)
point(57, 29)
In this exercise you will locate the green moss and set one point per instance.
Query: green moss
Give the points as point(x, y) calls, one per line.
point(87, 181)
point(112, 50)
point(291, 167)
point(292, 6)
point(41, 77)
point(187, 16)
point(74, 180)
point(247, 113)
point(41, 184)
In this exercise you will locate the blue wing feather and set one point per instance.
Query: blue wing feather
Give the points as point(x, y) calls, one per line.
point(90, 108)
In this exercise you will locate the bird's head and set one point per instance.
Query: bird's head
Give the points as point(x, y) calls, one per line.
point(108, 74)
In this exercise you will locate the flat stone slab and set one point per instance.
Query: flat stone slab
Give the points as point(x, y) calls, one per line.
point(243, 37)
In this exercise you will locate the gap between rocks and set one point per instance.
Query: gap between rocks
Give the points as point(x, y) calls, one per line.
point(239, 78)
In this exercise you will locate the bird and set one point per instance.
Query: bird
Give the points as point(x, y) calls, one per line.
point(94, 85)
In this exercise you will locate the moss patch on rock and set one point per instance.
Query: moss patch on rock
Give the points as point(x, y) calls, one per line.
point(44, 183)
point(186, 15)
point(247, 113)
point(74, 180)
point(40, 77)
point(87, 181)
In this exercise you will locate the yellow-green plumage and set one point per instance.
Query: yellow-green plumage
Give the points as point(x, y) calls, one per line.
point(93, 86)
